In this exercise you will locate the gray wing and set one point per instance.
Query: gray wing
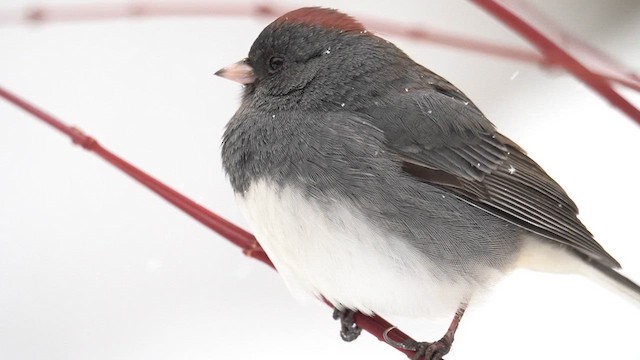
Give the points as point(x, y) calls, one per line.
point(444, 140)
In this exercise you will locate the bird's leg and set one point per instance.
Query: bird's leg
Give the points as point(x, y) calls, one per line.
point(349, 331)
point(431, 351)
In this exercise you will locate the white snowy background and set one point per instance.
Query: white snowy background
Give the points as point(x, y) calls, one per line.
point(94, 266)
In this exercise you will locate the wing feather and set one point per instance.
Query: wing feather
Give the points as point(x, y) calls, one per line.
point(455, 148)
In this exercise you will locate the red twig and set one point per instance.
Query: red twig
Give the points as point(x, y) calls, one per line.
point(374, 325)
point(223, 227)
point(513, 13)
point(430, 35)
point(599, 64)
point(515, 17)
point(61, 13)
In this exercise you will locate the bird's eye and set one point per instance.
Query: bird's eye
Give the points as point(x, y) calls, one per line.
point(275, 63)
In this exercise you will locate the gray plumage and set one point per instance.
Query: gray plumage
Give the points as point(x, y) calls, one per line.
point(352, 117)
point(341, 157)
point(376, 184)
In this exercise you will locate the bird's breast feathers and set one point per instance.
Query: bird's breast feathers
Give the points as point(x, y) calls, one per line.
point(333, 251)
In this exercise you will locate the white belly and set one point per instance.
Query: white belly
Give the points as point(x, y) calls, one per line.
point(337, 255)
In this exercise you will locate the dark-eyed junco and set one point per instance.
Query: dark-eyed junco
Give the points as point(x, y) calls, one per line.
point(376, 184)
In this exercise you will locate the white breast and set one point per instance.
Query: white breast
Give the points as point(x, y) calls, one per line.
point(337, 254)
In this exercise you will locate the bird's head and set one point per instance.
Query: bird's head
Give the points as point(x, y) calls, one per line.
point(313, 57)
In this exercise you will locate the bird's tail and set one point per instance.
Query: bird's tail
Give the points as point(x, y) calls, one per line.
point(613, 280)
point(546, 257)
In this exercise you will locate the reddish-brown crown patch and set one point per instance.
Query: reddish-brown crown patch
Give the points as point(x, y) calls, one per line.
point(322, 17)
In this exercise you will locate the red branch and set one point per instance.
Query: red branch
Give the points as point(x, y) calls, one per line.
point(223, 227)
point(374, 325)
point(519, 18)
point(62, 13)
point(588, 64)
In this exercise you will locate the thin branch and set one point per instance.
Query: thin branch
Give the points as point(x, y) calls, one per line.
point(41, 14)
point(515, 14)
point(375, 325)
point(518, 18)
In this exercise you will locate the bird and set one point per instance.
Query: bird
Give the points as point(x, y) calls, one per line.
point(377, 185)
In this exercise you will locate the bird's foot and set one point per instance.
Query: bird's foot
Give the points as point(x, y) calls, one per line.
point(349, 331)
point(422, 350)
point(432, 351)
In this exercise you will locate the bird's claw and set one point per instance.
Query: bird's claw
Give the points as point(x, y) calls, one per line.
point(423, 350)
point(349, 331)
point(431, 351)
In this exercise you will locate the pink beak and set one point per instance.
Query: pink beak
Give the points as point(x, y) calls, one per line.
point(240, 72)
